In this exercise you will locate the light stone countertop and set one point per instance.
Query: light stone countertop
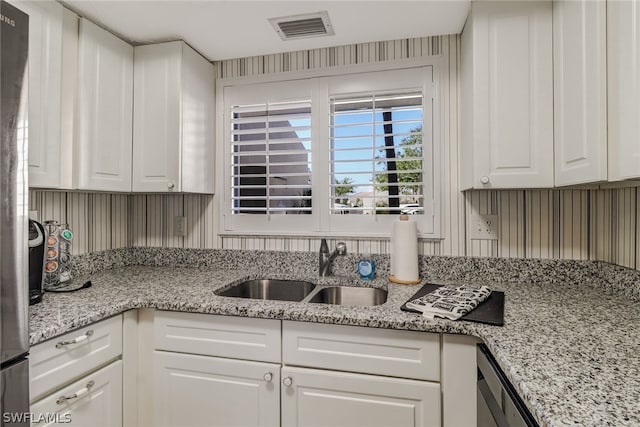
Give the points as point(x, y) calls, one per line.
point(571, 350)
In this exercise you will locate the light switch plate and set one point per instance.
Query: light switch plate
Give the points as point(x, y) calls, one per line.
point(483, 227)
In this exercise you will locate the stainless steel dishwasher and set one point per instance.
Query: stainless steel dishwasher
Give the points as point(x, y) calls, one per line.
point(498, 403)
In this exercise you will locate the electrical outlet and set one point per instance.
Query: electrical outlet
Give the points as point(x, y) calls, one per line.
point(180, 226)
point(483, 227)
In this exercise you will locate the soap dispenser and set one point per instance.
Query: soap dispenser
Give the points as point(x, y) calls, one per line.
point(367, 268)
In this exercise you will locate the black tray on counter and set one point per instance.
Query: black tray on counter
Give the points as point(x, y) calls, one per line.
point(490, 311)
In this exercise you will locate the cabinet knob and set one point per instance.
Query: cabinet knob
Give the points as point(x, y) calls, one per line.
point(171, 185)
point(484, 179)
point(287, 381)
point(268, 377)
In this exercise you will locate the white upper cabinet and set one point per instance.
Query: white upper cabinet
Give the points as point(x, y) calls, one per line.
point(507, 96)
point(173, 138)
point(104, 110)
point(580, 91)
point(45, 76)
point(623, 50)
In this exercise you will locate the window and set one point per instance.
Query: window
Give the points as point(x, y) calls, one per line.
point(343, 154)
point(376, 154)
point(271, 158)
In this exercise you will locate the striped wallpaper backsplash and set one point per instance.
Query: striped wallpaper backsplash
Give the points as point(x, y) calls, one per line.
point(586, 224)
point(99, 221)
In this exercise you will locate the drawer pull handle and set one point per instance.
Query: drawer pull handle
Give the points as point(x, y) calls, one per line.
point(77, 394)
point(268, 377)
point(287, 381)
point(75, 340)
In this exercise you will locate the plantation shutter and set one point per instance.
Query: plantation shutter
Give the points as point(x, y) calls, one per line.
point(271, 158)
point(376, 161)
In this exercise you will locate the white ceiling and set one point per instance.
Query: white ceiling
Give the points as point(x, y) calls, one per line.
point(221, 29)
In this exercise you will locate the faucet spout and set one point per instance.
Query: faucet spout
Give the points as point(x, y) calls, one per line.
point(326, 258)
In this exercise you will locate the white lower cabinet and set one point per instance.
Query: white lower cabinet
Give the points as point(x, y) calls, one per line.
point(76, 378)
point(59, 361)
point(391, 379)
point(330, 398)
point(208, 370)
point(94, 400)
point(193, 390)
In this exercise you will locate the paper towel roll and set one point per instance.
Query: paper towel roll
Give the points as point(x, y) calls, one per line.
point(404, 251)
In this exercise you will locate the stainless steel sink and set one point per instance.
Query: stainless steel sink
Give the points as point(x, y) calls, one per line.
point(268, 289)
point(349, 295)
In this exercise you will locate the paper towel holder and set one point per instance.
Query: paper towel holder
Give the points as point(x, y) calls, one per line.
point(393, 278)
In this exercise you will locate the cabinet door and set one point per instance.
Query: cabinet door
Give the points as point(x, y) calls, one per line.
point(95, 400)
point(326, 398)
point(623, 70)
point(45, 75)
point(173, 138)
point(156, 128)
point(192, 390)
point(507, 111)
point(580, 91)
point(105, 110)
point(198, 118)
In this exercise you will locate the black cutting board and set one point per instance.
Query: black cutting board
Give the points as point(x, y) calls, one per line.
point(490, 311)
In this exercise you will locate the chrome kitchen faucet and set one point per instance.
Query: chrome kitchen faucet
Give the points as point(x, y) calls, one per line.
point(327, 258)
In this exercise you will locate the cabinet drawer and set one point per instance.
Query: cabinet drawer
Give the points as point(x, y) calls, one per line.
point(58, 361)
point(404, 354)
point(223, 336)
point(94, 400)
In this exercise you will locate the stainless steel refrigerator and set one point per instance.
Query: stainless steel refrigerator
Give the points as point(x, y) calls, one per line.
point(14, 338)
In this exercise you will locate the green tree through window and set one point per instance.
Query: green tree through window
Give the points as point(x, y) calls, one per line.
point(408, 163)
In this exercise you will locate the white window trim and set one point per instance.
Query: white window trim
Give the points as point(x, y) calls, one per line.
point(316, 225)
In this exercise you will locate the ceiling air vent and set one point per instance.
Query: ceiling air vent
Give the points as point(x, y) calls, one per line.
point(303, 26)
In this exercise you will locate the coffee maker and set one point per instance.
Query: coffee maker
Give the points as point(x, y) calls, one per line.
point(37, 243)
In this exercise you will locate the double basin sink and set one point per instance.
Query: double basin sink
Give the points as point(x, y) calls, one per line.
point(293, 290)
